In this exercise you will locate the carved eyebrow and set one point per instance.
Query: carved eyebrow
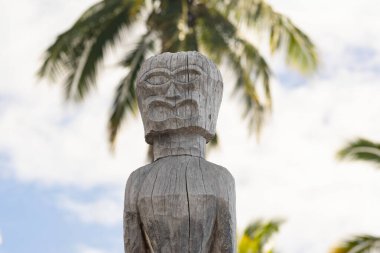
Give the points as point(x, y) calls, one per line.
point(160, 71)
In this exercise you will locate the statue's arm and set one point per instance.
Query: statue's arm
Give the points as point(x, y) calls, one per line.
point(225, 233)
point(133, 233)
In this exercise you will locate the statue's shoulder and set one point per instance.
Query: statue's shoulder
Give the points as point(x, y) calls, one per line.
point(218, 170)
point(138, 175)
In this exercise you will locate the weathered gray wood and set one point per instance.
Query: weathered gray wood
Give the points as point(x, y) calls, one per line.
point(177, 91)
point(180, 202)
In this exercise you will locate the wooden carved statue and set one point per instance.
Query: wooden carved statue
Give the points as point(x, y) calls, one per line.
point(180, 202)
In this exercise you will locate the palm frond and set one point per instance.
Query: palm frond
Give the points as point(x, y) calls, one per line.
point(166, 22)
point(260, 70)
point(210, 26)
point(219, 38)
point(79, 51)
point(190, 41)
point(86, 73)
point(283, 33)
point(125, 96)
point(56, 56)
point(361, 150)
point(215, 32)
point(359, 244)
point(254, 110)
point(251, 68)
point(257, 236)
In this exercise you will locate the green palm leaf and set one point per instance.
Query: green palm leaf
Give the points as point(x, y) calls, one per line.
point(215, 32)
point(56, 56)
point(208, 26)
point(166, 22)
point(361, 150)
point(219, 38)
point(283, 34)
point(81, 49)
point(359, 244)
point(257, 236)
point(125, 96)
point(254, 110)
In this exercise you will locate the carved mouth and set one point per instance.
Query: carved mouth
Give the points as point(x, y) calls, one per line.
point(160, 110)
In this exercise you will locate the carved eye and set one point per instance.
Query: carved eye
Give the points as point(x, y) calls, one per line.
point(157, 79)
point(186, 76)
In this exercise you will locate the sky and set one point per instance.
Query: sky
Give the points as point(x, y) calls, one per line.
point(61, 189)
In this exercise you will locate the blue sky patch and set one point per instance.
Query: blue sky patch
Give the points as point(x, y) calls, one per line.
point(30, 219)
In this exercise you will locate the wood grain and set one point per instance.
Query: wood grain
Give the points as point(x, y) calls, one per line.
point(177, 91)
point(180, 202)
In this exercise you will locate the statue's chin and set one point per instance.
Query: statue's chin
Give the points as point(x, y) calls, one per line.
point(165, 124)
point(176, 126)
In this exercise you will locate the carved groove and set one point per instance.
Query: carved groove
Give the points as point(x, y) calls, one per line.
point(180, 202)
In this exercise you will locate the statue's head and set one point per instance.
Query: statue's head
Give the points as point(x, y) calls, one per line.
point(179, 92)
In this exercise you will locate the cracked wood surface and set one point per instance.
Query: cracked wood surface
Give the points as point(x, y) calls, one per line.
point(180, 204)
point(179, 91)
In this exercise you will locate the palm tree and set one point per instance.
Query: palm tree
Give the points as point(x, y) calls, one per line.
point(210, 27)
point(359, 244)
point(258, 235)
point(361, 150)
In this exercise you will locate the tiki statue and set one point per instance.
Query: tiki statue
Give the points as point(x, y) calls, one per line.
point(180, 202)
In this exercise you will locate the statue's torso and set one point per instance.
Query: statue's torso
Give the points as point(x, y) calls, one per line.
point(182, 202)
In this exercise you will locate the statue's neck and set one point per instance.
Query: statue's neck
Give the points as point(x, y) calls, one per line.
point(178, 144)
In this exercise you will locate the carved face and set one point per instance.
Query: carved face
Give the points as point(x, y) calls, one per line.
point(179, 92)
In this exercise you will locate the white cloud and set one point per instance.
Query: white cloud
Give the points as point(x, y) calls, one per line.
point(1, 238)
point(106, 212)
point(50, 141)
point(291, 173)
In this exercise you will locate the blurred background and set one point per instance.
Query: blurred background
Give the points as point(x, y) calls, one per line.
point(62, 186)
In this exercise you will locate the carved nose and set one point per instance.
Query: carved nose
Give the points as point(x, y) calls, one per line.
point(172, 92)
